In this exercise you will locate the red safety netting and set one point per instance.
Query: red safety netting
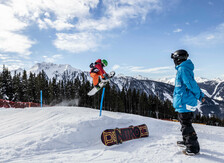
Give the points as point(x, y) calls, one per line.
point(10, 104)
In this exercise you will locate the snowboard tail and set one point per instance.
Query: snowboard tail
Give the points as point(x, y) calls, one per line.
point(110, 137)
point(95, 90)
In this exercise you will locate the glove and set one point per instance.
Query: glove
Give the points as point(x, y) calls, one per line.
point(203, 99)
point(105, 76)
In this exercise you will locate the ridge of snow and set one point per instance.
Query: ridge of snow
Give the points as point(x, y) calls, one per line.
point(216, 88)
point(206, 93)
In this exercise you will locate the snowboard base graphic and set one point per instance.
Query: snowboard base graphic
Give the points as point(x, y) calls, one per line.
point(110, 137)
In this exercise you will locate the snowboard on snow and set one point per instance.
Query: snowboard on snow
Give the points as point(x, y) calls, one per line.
point(110, 137)
point(101, 84)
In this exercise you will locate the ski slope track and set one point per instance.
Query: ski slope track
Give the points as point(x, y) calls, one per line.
point(72, 134)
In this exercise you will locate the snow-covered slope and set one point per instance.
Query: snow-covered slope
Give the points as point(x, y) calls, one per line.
point(72, 134)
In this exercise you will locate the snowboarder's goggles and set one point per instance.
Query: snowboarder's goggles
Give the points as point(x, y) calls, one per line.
point(177, 56)
point(173, 56)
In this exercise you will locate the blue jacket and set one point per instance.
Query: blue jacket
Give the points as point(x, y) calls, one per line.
point(187, 91)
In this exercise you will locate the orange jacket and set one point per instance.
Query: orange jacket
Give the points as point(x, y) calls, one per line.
point(98, 68)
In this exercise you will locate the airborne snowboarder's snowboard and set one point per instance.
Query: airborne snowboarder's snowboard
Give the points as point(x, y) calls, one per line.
point(117, 136)
point(101, 84)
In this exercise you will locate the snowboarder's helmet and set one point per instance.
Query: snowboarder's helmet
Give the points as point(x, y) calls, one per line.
point(179, 56)
point(104, 62)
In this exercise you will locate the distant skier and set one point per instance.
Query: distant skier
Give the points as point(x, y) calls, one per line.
point(185, 96)
point(97, 70)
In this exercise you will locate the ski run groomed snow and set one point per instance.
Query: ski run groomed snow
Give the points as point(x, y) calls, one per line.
point(72, 134)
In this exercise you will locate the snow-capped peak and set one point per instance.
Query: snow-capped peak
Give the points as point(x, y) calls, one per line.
point(52, 69)
point(139, 77)
point(218, 80)
point(47, 66)
point(201, 79)
point(167, 80)
point(172, 80)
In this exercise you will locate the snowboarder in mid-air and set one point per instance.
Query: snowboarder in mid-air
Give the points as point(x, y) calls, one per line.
point(185, 96)
point(97, 70)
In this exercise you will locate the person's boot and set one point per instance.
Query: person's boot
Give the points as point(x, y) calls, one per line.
point(97, 86)
point(181, 143)
point(190, 152)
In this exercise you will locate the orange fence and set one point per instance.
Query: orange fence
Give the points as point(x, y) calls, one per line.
point(10, 104)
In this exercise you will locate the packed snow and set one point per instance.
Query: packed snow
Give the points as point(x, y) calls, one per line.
point(72, 134)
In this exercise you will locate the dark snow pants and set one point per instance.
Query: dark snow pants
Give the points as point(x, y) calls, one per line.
point(189, 135)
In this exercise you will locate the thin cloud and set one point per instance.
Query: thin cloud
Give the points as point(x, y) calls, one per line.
point(77, 42)
point(115, 67)
point(53, 58)
point(177, 30)
point(156, 70)
point(10, 62)
point(13, 63)
point(210, 3)
point(206, 39)
point(6, 58)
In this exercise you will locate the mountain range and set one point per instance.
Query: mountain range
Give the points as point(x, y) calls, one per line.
point(163, 88)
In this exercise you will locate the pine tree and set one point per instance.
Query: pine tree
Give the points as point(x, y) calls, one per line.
point(24, 94)
point(123, 101)
point(6, 86)
point(129, 101)
point(143, 104)
point(54, 92)
point(113, 97)
point(31, 88)
point(16, 82)
point(135, 102)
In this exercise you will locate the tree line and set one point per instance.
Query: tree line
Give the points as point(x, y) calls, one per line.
point(26, 88)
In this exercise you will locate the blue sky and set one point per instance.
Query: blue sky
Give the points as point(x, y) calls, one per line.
point(135, 36)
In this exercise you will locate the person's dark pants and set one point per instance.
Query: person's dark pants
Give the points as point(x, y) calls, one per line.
point(189, 135)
